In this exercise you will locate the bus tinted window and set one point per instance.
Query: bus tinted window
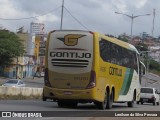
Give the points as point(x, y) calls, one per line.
point(116, 54)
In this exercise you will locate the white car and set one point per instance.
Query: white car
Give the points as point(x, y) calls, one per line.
point(149, 95)
point(14, 83)
point(42, 74)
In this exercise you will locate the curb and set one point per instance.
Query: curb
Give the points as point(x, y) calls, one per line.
point(20, 93)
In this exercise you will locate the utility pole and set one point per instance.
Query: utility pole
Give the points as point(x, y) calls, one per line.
point(62, 15)
point(132, 17)
point(17, 68)
point(154, 12)
point(146, 53)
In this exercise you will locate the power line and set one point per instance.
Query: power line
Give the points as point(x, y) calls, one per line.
point(32, 16)
point(76, 18)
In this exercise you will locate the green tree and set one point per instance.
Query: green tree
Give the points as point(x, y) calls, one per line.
point(154, 65)
point(123, 38)
point(141, 47)
point(10, 47)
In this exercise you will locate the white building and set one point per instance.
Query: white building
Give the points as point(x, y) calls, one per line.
point(37, 28)
point(155, 53)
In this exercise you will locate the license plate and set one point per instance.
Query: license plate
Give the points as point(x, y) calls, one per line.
point(145, 100)
point(67, 93)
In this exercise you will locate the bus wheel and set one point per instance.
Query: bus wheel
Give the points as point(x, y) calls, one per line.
point(131, 103)
point(154, 103)
point(109, 100)
point(102, 105)
point(44, 99)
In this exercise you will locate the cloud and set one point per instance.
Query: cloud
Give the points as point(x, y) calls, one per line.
point(7, 9)
point(97, 15)
point(137, 4)
point(48, 18)
point(120, 5)
point(141, 3)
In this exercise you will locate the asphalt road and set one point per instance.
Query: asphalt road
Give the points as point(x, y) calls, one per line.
point(83, 110)
point(38, 105)
point(149, 80)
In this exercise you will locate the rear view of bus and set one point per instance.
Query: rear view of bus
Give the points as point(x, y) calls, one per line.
point(69, 76)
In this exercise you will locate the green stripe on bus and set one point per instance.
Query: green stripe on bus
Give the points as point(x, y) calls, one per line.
point(126, 82)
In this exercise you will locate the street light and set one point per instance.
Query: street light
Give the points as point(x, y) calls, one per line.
point(62, 15)
point(148, 62)
point(147, 57)
point(132, 17)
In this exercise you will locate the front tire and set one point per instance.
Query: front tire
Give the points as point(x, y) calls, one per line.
point(44, 99)
point(154, 103)
point(131, 103)
point(157, 103)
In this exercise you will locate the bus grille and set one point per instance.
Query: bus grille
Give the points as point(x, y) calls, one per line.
point(70, 63)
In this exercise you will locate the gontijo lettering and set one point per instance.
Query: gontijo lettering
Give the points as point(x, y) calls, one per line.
point(115, 71)
point(70, 55)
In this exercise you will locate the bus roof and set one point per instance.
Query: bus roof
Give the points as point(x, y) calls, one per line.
point(111, 39)
point(120, 43)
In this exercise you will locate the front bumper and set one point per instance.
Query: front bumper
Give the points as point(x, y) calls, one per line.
point(147, 100)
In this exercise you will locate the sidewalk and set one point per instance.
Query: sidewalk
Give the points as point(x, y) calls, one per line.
point(35, 80)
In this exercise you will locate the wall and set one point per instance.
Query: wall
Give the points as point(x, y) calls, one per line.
point(20, 92)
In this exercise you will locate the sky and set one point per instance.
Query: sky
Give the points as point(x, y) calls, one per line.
point(92, 15)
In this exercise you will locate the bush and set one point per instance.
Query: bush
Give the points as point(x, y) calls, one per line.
point(154, 65)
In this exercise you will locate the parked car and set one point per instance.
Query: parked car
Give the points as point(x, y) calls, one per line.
point(14, 83)
point(42, 74)
point(149, 95)
point(39, 74)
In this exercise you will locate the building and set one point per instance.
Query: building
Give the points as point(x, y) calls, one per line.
point(149, 42)
point(36, 45)
point(155, 53)
point(22, 66)
point(135, 40)
point(37, 28)
point(33, 59)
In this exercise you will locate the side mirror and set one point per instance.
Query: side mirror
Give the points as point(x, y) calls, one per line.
point(144, 71)
point(142, 68)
